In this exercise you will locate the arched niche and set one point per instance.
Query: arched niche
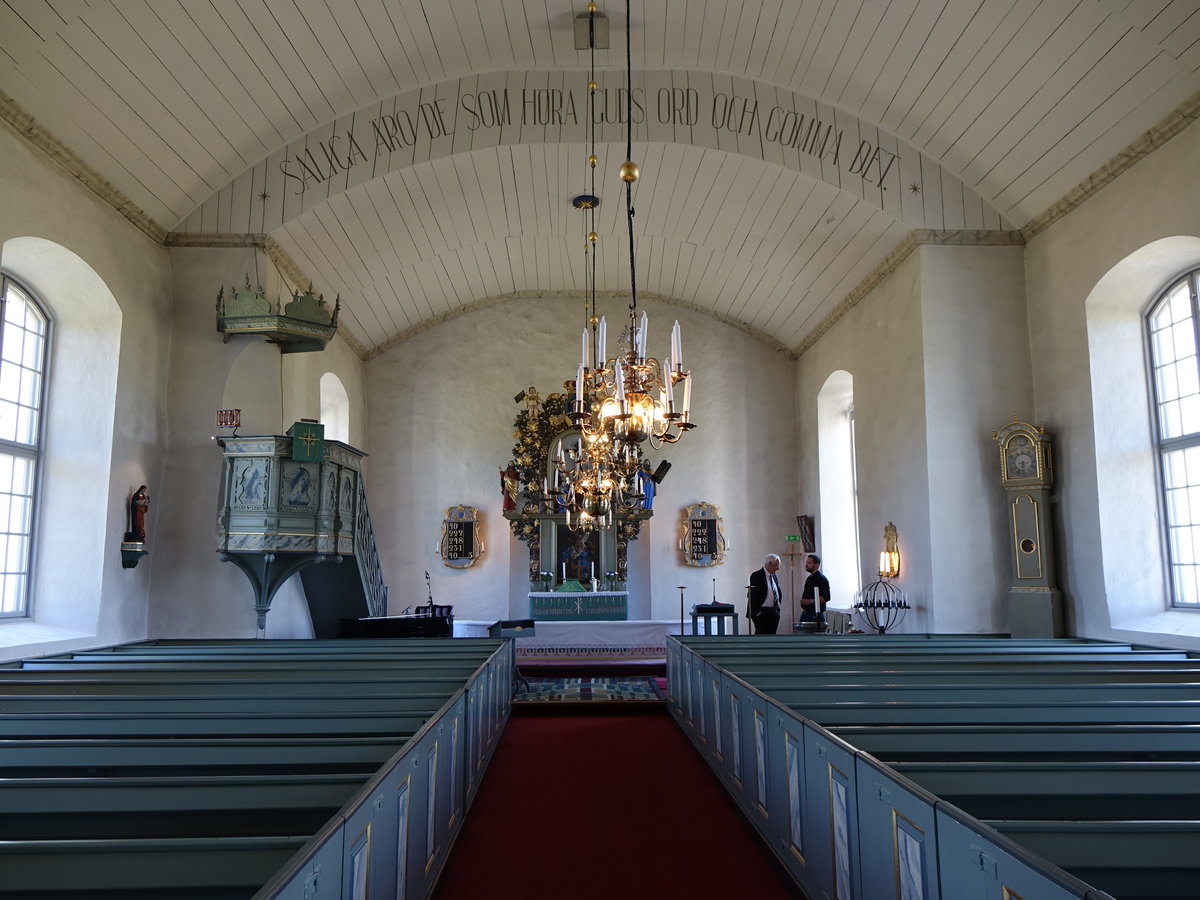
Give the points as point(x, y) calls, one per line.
point(838, 525)
point(82, 501)
point(335, 408)
point(1131, 550)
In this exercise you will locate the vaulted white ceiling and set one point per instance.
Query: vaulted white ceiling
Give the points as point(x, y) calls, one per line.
point(418, 157)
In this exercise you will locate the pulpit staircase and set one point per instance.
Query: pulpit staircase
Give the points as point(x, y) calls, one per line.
point(281, 516)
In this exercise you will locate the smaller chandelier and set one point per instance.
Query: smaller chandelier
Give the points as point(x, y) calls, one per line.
point(589, 487)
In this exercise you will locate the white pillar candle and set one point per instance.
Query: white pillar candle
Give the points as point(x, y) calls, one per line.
point(687, 392)
point(584, 363)
point(620, 379)
point(677, 345)
point(601, 340)
point(564, 564)
point(642, 331)
point(668, 382)
point(579, 384)
point(593, 571)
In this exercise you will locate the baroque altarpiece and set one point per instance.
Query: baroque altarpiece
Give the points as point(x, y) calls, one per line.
point(537, 519)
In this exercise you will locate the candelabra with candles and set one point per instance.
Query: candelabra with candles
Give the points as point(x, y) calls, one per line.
point(633, 398)
point(881, 605)
point(589, 487)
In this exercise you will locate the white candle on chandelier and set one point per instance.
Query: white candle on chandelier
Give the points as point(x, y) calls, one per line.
point(585, 363)
point(601, 340)
point(676, 346)
point(579, 393)
point(643, 328)
point(687, 393)
point(667, 380)
point(619, 377)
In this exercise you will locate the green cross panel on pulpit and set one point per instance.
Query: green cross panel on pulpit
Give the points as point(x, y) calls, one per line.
point(308, 441)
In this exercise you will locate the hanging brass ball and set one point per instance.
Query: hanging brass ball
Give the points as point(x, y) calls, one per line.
point(591, 6)
point(592, 160)
point(592, 85)
point(630, 171)
point(593, 237)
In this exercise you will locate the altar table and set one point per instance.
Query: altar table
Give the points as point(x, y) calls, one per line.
point(585, 606)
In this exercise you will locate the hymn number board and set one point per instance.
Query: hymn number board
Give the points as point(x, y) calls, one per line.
point(703, 541)
point(461, 543)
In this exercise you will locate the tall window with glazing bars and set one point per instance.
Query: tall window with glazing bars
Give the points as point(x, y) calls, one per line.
point(1172, 326)
point(24, 332)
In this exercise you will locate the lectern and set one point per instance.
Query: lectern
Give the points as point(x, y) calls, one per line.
point(714, 614)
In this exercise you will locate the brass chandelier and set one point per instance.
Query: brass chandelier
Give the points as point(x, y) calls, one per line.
point(625, 401)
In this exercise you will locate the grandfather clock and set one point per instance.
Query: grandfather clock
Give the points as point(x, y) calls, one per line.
point(1027, 474)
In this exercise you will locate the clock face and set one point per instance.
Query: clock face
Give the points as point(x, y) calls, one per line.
point(1020, 458)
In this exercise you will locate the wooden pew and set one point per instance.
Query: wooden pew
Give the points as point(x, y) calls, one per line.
point(49, 757)
point(1133, 860)
point(1017, 735)
point(218, 868)
point(216, 768)
point(1048, 741)
point(189, 805)
point(1068, 789)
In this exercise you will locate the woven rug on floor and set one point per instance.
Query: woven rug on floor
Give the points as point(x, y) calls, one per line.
point(572, 690)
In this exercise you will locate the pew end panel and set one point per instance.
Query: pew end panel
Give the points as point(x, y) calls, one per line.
point(1134, 860)
point(977, 861)
point(831, 820)
point(897, 835)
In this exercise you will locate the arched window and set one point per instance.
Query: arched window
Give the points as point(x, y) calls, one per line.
point(838, 525)
point(1172, 328)
point(335, 408)
point(24, 330)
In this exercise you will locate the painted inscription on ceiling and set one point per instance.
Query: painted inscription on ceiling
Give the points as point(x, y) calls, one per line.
point(736, 115)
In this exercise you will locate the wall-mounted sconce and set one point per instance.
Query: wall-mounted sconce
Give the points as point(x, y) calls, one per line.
point(889, 557)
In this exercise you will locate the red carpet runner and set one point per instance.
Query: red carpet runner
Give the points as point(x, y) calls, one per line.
point(605, 807)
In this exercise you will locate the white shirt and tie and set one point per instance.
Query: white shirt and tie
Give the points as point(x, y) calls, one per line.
point(772, 600)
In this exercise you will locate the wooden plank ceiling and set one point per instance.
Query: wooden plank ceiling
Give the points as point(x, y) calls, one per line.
point(178, 103)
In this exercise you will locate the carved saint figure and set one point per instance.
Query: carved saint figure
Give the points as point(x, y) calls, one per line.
point(510, 486)
point(139, 503)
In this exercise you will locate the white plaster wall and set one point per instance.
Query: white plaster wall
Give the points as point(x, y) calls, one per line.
point(879, 342)
point(195, 594)
point(38, 200)
point(1153, 200)
point(939, 356)
point(976, 350)
point(441, 426)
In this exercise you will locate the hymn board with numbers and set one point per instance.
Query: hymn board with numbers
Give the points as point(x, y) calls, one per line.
point(461, 542)
point(703, 541)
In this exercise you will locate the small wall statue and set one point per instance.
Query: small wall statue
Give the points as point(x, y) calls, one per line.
point(510, 486)
point(133, 548)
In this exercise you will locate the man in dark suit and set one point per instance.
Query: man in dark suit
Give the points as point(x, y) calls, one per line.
point(765, 597)
point(815, 595)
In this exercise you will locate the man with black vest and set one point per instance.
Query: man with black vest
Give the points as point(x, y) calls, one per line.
point(765, 597)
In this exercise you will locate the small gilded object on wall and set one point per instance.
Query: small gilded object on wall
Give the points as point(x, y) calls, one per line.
point(133, 547)
point(461, 542)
